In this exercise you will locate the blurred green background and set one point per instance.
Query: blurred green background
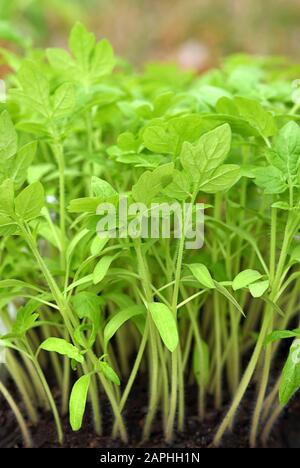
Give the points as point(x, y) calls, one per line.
point(195, 33)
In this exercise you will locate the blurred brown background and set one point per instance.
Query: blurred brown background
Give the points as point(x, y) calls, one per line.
point(193, 32)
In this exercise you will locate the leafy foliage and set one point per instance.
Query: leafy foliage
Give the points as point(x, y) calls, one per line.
point(76, 132)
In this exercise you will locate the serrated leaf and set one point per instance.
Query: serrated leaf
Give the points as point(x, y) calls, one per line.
point(86, 304)
point(61, 346)
point(25, 317)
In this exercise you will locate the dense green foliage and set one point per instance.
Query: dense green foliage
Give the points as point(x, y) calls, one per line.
point(80, 128)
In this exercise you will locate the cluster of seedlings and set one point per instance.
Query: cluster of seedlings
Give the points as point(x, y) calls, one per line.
point(86, 314)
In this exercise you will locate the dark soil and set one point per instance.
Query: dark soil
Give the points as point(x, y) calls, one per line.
point(286, 433)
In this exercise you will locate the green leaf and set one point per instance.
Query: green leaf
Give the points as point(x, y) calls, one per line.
point(258, 289)
point(35, 87)
point(74, 243)
point(180, 187)
point(286, 154)
point(63, 101)
point(207, 154)
point(103, 59)
point(97, 245)
point(30, 201)
point(84, 205)
point(256, 115)
point(20, 164)
point(86, 304)
point(290, 377)
point(78, 400)
point(168, 138)
point(127, 142)
point(281, 206)
point(84, 280)
point(282, 334)
point(38, 171)
point(119, 319)
point(295, 254)
point(108, 372)
point(103, 190)
point(165, 323)
point(157, 139)
point(151, 183)
point(7, 226)
point(61, 346)
point(222, 179)
point(270, 179)
point(222, 290)
point(81, 43)
point(201, 366)
point(245, 278)
point(101, 268)
point(202, 274)
point(60, 59)
point(25, 317)
point(8, 136)
point(7, 197)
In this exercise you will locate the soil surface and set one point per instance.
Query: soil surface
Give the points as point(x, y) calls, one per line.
point(286, 433)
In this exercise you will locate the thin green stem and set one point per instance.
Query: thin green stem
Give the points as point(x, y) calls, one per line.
point(18, 415)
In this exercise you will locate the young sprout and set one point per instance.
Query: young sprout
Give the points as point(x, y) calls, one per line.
point(149, 233)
